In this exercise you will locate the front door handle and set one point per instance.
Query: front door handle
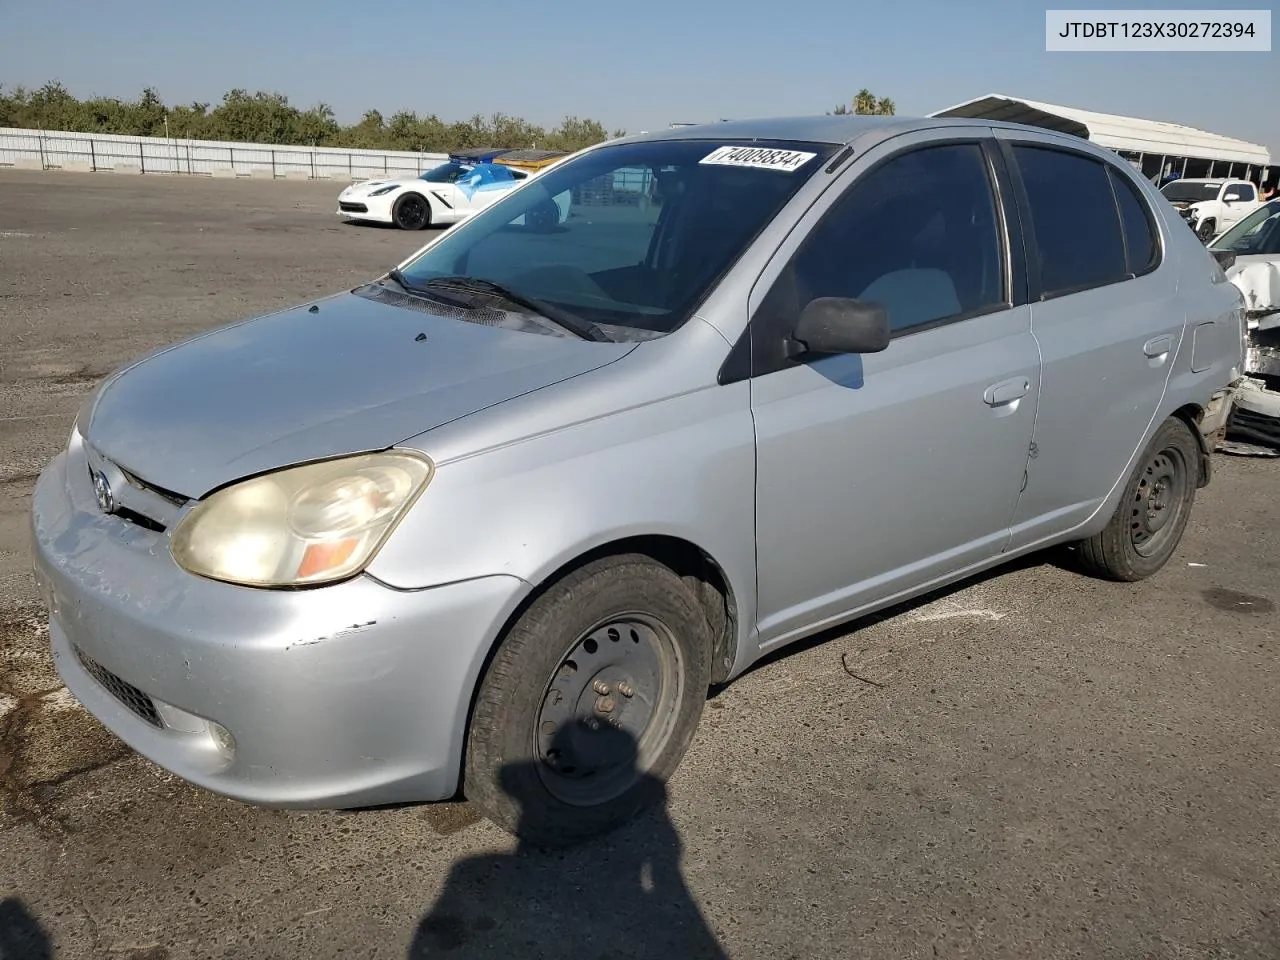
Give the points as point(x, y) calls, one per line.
point(1007, 391)
point(1157, 346)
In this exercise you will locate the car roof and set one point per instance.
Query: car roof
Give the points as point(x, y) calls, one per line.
point(836, 129)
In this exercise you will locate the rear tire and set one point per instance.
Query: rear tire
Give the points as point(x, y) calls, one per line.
point(1148, 524)
point(412, 212)
point(590, 702)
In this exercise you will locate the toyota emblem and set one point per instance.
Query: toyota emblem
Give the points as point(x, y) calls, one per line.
point(102, 490)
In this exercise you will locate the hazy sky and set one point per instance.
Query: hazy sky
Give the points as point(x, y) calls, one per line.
point(631, 65)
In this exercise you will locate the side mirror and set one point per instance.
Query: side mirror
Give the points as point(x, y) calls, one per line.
point(830, 325)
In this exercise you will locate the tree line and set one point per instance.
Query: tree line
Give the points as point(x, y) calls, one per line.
point(867, 103)
point(265, 117)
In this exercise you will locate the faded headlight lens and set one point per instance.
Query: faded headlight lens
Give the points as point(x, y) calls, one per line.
point(301, 526)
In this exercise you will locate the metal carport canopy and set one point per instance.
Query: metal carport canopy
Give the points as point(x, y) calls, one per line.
point(1114, 132)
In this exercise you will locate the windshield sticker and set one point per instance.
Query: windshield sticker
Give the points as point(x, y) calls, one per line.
point(787, 161)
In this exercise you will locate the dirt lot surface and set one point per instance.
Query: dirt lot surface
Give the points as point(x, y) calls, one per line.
point(1036, 765)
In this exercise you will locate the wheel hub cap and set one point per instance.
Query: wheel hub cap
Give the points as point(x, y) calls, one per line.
point(607, 705)
point(1156, 500)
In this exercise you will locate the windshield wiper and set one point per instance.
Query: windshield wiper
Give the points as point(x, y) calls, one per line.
point(410, 287)
point(581, 326)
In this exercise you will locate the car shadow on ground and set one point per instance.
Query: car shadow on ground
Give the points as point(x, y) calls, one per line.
point(380, 225)
point(1063, 558)
point(619, 895)
point(21, 935)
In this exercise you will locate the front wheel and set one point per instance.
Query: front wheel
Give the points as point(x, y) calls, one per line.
point(1153, 512)
point(1206, 230)
point(412, 212)
point(590, 702)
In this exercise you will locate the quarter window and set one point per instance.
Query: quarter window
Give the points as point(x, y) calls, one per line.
point(918, 234)
point(1079, 242)
point(1139, 237)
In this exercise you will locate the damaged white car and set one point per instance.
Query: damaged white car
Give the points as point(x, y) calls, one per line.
point(1250, 254)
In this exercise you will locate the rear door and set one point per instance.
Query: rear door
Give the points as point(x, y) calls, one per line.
point(1107, 319)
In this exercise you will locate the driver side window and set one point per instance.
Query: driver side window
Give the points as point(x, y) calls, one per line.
point(918, 234)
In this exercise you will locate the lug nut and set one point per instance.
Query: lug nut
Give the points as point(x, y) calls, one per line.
point(605, 705)
point(624, 688)
point(600, 687)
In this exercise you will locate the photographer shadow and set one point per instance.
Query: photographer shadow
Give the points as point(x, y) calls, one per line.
point(619, 896)
point(21, 935)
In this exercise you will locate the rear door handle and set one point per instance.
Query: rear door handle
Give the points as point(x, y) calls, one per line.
point(1157, 346)
point(1007, 391)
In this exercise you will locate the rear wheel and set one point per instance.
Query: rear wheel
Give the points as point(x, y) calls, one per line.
point(590, 702)
point(412, 212)
point(1153, 512)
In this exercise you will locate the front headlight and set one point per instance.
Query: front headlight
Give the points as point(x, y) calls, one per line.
point(301, 526)
point(384, 190)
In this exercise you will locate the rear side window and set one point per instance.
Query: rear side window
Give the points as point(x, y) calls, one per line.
point(1073, 214)
point(1139, 232)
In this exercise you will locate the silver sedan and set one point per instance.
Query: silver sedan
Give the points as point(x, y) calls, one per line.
point(495, 521)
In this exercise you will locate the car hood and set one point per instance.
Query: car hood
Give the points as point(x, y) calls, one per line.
point(366, 187)
point(358, 374)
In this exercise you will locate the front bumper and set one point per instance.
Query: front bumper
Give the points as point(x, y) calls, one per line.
point(342, 696)
point(359, 207)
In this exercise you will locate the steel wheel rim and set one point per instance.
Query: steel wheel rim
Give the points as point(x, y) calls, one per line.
point(624, 675)
point(1157, 502)
point(412, 211)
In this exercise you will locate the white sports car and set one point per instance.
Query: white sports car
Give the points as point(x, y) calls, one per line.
point(443, 195)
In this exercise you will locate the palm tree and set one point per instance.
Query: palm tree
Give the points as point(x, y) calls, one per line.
point(867, 103)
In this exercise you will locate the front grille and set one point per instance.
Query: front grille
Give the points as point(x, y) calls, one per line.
point(177, 499)
point(136, 516)
point(134, 699)
point(133, 516)
point(348, 207)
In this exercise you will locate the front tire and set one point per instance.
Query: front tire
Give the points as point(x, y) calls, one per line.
point(590, 702)
point(1206, 230)
point(1153, 512)
point(411, 212)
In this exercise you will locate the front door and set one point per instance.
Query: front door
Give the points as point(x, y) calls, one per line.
point(880, 473)
point(1238, 201)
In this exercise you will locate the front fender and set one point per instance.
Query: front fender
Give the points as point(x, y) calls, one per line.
point(682, 467)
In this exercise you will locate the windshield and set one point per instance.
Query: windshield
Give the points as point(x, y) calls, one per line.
point(1189, 190)
point(445, 173)
point(1259, 232)
point(630, 237)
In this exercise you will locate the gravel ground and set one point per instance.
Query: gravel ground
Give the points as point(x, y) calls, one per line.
point(1035, 764)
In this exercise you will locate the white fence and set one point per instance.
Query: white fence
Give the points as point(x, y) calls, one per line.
point(60, 149)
